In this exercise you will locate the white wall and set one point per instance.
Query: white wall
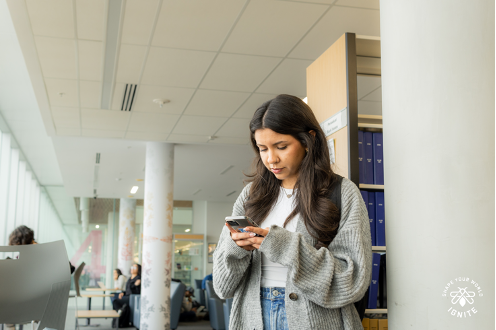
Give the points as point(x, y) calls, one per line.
point(438, 108)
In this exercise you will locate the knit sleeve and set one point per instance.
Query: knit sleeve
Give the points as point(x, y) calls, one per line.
point(332, 277)
point(230, 260)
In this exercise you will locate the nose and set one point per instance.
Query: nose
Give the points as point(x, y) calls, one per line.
point(271, 157)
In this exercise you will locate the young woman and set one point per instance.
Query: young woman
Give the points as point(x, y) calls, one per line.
point(312, 262)
point(119, 280)
point(133, 286)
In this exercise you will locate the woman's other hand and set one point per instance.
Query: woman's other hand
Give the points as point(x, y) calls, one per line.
point(121, 295)
point(256, 241)
point(241, 239)
point(137, 283)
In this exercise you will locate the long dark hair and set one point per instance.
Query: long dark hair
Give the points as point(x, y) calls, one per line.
point(22, 235)
point(289, 115)
point(119, 273)
point(139, 269)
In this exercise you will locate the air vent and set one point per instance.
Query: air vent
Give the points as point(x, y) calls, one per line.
point(127, 100)
point(97, 158)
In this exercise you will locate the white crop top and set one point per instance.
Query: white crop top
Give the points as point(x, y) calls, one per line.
point(274, 274)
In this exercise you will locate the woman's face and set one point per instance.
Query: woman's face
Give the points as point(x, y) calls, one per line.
point(281, 154)
point(116, 275)
point(134, 269)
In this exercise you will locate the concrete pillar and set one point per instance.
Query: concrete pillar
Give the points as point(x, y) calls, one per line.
point(157, 236)
point(84, 207)
point(127, 219)
point(438, 115)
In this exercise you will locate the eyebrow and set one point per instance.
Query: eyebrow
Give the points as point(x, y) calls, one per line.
point(263, 145)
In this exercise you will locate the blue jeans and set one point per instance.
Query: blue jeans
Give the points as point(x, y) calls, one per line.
point(273, 308)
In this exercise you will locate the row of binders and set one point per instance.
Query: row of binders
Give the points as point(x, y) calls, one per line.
point(375, 207)
point(377, 293)
point(370, 158)
point(375, 324)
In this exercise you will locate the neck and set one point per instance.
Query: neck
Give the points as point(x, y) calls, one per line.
point(133, 275)
point(288, 183)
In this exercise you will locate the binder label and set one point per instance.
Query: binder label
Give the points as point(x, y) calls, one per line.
point(335, 123)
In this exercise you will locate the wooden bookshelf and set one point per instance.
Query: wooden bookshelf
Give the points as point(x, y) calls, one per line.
point(376, 311)
point(378, 249)
point(371, 186)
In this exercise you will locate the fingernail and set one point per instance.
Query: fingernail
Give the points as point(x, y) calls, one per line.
point(252, 234)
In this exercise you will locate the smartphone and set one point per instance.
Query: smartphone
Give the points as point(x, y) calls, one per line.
point(238, 223)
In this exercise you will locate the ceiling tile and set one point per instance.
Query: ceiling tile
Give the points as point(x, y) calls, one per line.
point(62, 131)
point(147, 136)
point(179, 98)
point(180, 138)
point(371, 4)
point(248, 109)
point(195, 24)
point(119, 89)
point(227, 70)
point(198, 125)
point(57, 57)
point(131, 59)
point(215, 103)
point(152, 122)
point(366, 84)
point(333, 25)
point(176, 68)
point(370, 108)
point(52, 18)
point(90, 94)
point(283, 19)
point(103, 133)
point(70, 96)
point(66, 117)
point(230, 140)
point(104, 119)
point(374, 96)
point(90, 60)
point(91, 19)
point(235, 127)
point(138, 21)
point(289, 78)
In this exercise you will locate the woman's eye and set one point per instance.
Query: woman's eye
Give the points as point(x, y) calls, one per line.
point(263, 150)
point(282, 148)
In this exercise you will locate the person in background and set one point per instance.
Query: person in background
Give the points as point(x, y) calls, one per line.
point(119, 284)
point(133, 286)
point(189, 307)
point(204, 282)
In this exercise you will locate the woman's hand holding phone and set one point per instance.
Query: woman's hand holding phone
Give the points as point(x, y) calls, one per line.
point(248, 241)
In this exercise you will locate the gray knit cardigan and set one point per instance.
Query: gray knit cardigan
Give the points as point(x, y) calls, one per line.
point(321, 285)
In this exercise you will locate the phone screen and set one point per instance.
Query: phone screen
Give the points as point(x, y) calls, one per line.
point(240, 222)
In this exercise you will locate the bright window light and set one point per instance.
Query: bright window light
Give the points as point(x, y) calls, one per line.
point(134, 189)
point(187, 230)
point(97, 226)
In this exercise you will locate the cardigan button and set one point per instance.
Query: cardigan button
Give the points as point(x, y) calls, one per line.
point(293, 296)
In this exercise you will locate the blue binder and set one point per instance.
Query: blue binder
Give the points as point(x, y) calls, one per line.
point(380, 223)
point(371, 208)
point(374, 284)
point(361, 158)
point(365, 196)
point(369, 157)
point(378, 158)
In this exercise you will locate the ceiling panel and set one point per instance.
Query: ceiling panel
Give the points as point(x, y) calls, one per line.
point(90, 94)
point(68, 88)
point(174, 67)
point(147, 136)
point(215, 103)
point(195, 24)
point(91, 17)
point(371, 4)
point(333, 25)
point(374, 96)
point(57, 57)
point(131, 59)
point(283, 19)
point(152, 122)
point(367, 84)
point(54, 18)
point(104, 119)
point(328, 2)
point(289, 78)
point(63, 131)
point(198, 125)
point(103, 133)
point(66, 117)
point(180, 138)
point(119, 89)
point(179, 98)
point(251, 105)
point(138, 21)
point(235, 127)
point(370, 108)
point(231, 140)
point(90, 60)
point(227, 69)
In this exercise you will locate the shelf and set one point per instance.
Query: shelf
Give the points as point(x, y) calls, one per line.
point(376, 311)
point(371, 186)
point(369, 125)
point(379, 248)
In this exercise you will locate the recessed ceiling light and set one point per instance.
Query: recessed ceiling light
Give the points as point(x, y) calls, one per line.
point(134, 189)
point(187, 230)
point(97, 226)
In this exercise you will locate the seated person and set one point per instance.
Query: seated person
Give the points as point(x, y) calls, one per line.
point(119, 284)
point(189, 308)
point(207, 278)
point(133, 286)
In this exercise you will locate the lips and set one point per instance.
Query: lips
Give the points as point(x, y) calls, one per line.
point(276, 170)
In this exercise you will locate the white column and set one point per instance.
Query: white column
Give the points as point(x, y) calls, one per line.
point(127, 219)
point(84, 207)
point(109, 280)
point(438, 115)
point(157, 236)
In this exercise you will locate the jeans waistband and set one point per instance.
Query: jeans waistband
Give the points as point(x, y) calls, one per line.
point(272, 293)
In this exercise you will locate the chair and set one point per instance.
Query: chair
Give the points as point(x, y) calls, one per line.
point(35, 286)
point(135, 306)
point(227, 311)
point(215, 308)
point(201, 292)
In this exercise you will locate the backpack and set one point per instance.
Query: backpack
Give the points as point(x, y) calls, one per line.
point(335, 197)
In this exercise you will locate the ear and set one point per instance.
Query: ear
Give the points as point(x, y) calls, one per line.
point(312, 132)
